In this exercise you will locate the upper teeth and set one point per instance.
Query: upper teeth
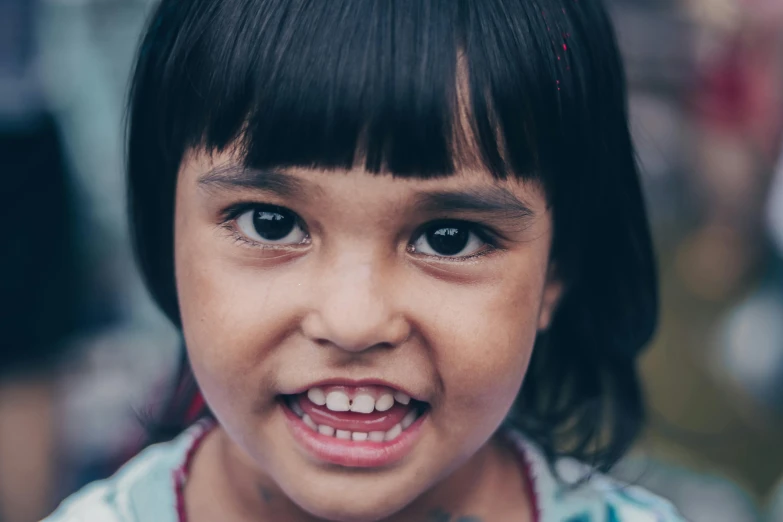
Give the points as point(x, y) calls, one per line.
point(338, 400)
point(401, 398)
point(363, 404)
point(317, 395)
point(384, 402)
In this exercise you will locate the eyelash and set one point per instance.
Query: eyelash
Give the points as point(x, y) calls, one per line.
point(228, 219)
point(491, 239)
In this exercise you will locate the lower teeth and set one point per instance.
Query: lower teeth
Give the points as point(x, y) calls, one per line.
point(373, 436)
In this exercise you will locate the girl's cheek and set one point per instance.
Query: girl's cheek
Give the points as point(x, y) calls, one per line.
point(238, 316)
point(214, 318)
point(483, 350)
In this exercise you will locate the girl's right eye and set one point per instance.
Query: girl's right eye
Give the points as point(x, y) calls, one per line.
point(273, 225)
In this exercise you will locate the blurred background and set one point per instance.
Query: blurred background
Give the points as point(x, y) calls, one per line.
point(85, 357)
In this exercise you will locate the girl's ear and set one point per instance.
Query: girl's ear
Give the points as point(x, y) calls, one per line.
point(553, 290)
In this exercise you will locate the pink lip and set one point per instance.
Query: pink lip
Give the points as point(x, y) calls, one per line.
point(352, 383)
point(353, 454)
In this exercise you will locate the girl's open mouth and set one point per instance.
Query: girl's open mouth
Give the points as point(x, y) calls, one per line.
point(355, 426)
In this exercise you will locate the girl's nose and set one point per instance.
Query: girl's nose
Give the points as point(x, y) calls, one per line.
point(353, 309)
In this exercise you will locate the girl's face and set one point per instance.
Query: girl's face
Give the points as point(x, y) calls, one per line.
point(304, 294)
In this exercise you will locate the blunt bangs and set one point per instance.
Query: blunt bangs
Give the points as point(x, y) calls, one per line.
point(531, 89)
point(375, 82)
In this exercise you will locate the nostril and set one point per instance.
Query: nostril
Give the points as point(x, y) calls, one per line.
point(346, 345)
point(355, 332)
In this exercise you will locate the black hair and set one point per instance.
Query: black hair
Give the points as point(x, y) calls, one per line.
point(377, 83)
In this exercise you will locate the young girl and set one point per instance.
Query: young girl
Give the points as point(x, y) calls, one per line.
point(407, 248)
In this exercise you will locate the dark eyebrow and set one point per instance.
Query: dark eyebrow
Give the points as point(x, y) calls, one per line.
point(485, 200)
point(491, 200)
point(239, 177)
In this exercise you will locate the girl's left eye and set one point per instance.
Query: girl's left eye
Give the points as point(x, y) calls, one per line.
point(451, 239)
point(271, 225)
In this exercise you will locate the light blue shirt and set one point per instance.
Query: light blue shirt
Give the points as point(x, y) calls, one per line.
point(145, 490)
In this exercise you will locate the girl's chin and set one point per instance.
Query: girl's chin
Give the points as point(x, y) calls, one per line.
point(336, 504)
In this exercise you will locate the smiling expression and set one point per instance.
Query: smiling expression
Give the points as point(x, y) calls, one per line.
point(297, 279)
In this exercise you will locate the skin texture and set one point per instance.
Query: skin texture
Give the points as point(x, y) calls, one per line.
point(356, 300)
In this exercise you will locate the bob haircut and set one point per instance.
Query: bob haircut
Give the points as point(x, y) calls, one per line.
point(375, 83)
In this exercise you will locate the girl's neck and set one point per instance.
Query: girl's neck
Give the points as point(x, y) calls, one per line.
point(224, 485)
